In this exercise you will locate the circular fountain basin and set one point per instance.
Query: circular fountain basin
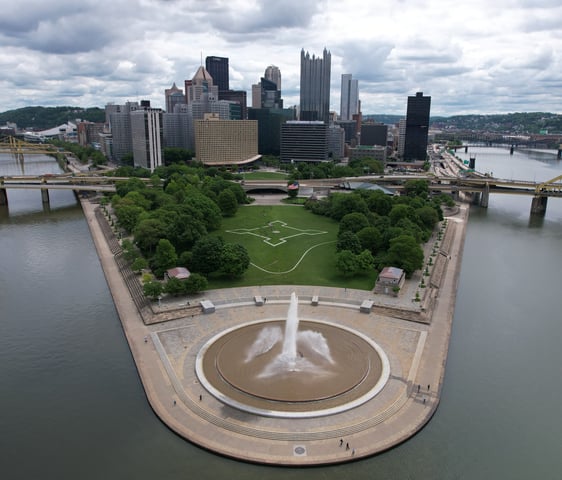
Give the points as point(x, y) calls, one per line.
point(313, 383)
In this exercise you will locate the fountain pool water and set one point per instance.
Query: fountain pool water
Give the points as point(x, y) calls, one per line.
point(292, 368)
point(312, 353)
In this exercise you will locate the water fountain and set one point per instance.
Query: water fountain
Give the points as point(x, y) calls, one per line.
point(292, 367)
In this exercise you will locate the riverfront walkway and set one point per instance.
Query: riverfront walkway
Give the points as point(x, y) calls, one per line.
point(165, 353)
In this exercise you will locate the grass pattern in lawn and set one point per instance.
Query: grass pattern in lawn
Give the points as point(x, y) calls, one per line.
point(305, 257)
point(276, 233)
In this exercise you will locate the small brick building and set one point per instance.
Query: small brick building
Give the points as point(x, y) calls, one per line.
point(390, 279)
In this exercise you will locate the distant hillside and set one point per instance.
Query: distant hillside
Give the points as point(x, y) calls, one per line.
point(384, 118)
point(42, 118)
point(515, 123)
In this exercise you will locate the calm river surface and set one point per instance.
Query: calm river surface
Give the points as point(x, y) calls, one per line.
point(72, 405)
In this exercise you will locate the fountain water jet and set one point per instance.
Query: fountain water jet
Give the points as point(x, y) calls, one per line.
point(313, 344)
point(291, 329)
point(321, 369)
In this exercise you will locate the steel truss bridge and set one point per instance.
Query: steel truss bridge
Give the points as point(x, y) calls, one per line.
point(20, 149)
point(65, 181)
point(479, 185)
point(489, 139)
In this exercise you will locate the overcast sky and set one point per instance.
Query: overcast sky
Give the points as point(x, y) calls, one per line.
point(471, 56)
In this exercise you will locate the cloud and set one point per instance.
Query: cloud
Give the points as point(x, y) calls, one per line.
point(485, 56)
point(266, 15)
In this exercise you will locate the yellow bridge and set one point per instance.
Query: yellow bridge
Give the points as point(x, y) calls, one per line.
point(19, 148)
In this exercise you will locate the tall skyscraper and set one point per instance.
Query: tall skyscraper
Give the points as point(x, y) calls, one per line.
point(174, 96)
point(266, 95)
point(147, 136)
point(201, 84)
point(120, 126)
point(218, 68)
point(349, 103)
point(315, 86)
point(417, 127)
point(273, 74)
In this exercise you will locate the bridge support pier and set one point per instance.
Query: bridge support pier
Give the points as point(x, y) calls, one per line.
point(45, 195)
point(538, 205)
point(3, 197)
point(485, 196)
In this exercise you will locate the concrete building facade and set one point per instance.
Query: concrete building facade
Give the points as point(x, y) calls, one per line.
point(226, 142)
point(304, 141)
point(147, 137)
point(120, 128)
point(201, 84)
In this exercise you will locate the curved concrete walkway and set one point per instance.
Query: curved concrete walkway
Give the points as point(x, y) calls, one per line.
point(165, 356)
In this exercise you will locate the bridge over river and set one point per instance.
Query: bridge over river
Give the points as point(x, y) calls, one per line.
point(479, 186)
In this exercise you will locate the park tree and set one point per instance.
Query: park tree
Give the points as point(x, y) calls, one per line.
point(239, 193)
point(130, 185)
point(379, 202)
point(404, 252)
point(348, 241)
point(148, 233)
point(195, 283)
point(227, 203)
point(207, 208)
point(191, 230)
point(428, 217)
point(139, 264)
point(417, 188)
point(353, 222)
point(176, 155)
point(184, 259)
point(346, 263)
point(206, 255)
point(152, 289)
point(164, 258)
point(344, 203)
point(371, 239)
point(399, 212)
point(174, 286)
point(365, 261)
point(136, 198)
point(411, 228)
point(235, 260)
point(128, 215)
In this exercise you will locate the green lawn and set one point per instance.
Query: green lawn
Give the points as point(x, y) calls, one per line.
point(287, 245)
point(259, 175)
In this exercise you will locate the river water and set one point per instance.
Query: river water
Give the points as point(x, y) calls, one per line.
point(72, 406)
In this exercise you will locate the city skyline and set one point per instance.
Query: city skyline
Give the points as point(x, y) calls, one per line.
point(471, 57)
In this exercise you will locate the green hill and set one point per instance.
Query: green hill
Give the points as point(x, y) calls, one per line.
point(42, 118)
